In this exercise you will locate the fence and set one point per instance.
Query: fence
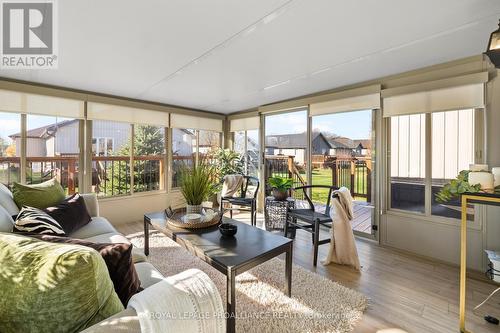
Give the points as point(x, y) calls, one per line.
point(353, 173)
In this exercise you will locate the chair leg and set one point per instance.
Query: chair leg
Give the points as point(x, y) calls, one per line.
point(316, 240)
point(285, 227)
point(231, 211)
point(252, 217)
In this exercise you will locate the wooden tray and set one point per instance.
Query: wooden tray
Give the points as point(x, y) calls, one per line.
point(176, 221)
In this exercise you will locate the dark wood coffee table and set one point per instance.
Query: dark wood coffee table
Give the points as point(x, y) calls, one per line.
point(231, 256)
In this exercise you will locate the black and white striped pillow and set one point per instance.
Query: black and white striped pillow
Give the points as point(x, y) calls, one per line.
point(34, 220)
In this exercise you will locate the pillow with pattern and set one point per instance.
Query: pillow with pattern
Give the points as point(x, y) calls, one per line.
point(34, 220)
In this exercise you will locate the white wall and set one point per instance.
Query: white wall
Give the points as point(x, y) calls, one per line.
point(132, 208)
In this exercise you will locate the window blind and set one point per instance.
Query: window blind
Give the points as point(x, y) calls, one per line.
point(465, 92)
point(19, 102)
point(187, 121)
point(244, 124)
point(101, 111)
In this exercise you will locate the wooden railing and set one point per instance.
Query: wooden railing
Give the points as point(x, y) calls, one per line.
point(283, 166)
point(353, 173)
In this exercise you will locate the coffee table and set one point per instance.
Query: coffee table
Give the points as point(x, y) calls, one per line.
point(231, 256)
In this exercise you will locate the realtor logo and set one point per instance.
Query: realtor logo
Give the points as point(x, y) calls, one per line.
point(29, 39)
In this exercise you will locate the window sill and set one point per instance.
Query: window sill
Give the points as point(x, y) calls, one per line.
point(451, 222)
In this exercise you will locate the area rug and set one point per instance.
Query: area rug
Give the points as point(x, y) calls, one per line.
point(317, 304)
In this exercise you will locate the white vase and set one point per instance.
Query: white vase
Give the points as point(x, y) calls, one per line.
point(193, 209)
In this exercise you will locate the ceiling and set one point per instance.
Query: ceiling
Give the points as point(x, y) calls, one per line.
point(227, 56)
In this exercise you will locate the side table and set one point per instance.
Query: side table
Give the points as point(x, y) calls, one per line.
point(275, 212)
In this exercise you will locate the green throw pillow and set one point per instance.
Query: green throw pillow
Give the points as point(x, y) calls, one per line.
point(48, 287)
point(46, 194)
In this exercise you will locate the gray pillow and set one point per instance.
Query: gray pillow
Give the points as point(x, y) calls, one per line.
point(6, 221)
point(7, 201)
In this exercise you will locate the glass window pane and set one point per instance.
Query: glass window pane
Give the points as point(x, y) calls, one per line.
point(149, 156)
point(209, 143)
point(52, 150)
point(10, 145)
point(239, 142)
point(111, 162)
point(285, 146)
point(407, 159)
point(183, 151)
point(452, 151)
point(253, 153)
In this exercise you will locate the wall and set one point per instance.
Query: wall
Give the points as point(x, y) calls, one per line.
point(132, 208)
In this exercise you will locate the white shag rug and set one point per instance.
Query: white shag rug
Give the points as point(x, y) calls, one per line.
point(317, 304)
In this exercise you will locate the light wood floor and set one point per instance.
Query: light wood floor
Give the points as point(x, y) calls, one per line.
point(405, 291)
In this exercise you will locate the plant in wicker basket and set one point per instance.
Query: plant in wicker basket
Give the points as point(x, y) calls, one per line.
point(280, 187)
point(197, 183)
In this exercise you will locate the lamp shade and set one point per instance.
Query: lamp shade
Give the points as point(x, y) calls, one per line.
point(493, 51)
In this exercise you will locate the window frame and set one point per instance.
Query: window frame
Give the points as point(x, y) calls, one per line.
point(427, 216)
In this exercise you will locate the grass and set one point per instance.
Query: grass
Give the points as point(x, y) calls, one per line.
point(324, 177)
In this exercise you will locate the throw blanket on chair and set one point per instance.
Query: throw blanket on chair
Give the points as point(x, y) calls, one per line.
point(232, 183)
point(186, 302)
point(342, 247)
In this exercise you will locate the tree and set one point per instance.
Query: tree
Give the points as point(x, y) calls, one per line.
point(148, 141)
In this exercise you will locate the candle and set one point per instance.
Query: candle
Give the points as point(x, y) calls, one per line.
point(485, 179)
point(496, 174)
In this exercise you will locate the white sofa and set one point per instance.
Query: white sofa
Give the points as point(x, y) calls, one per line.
point(98, 230)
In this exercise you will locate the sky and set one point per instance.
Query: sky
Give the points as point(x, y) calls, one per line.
point(10, 123)
point(354, 125)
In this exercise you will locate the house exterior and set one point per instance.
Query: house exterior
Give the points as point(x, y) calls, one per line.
point(296, 144)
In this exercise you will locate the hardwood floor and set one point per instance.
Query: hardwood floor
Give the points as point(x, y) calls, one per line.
point(405, 291)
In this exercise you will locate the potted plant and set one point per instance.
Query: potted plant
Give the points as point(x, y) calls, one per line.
point(280, 187)
point(197, 184)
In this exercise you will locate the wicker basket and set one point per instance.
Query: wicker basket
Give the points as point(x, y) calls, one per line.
point(178, 221)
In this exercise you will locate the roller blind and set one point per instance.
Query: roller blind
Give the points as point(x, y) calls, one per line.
point(186, 121)
point(364, 102)
point(101, 111)
point(245, 124)
point(12, 101)
point(465, 92)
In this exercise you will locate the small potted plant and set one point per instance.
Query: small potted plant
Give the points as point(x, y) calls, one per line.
point(280, 186)
point(197, 183)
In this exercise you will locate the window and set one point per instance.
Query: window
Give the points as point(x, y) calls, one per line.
point(111, 163)
point(102, 146)
point(10, 146)
point(183, 151)
point(149, 158)
point(407, 154)
point(209, 142)
point(52, 150)
point(452, 148)
point(246, 143)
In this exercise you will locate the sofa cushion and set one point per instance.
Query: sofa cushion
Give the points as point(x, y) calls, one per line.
point(148, 274)
point(126, 321)
point(46, 287)
point(71, 213)
point(97, 226)
point(118, 259)
point(7, 200)
point(49, 193)
point(6, 221)
point(35, 220)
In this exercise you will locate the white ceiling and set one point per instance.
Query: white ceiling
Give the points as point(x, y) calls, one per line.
point(227, 56)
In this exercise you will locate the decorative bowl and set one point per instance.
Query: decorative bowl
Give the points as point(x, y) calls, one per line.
point(228, 229)
point(192, 218)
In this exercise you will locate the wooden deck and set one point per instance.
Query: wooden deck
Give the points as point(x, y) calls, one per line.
point(362, 220)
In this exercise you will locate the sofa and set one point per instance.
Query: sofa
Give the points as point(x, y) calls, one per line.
point(100, 230)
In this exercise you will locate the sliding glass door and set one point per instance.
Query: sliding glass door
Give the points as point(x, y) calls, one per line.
point(342, 152)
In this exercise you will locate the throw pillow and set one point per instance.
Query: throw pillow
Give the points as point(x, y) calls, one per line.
point(34, 220)
point(7, 201)
point(71, 213)
point(46, 194)
point(6, 221)
point(118, 259)
point(47, 287)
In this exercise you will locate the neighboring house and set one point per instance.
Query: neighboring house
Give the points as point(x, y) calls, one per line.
point(296, 144)
point(363, 147)
point(61, 139)
point(184, 142)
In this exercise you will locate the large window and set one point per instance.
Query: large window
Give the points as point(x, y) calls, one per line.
point(247, 144)
point(10, 144)
point(209, 142)
point(451, 149)
point(52, 150)
point(183, 152)
point(149, 158)
point(111, 164)
point(286, 146)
